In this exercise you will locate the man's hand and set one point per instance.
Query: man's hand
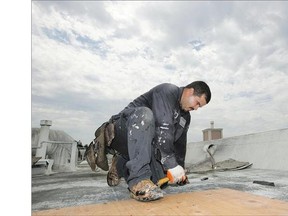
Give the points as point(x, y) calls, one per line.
point(177, 175)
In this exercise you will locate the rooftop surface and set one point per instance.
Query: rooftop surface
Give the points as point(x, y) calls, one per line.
point(83, 187)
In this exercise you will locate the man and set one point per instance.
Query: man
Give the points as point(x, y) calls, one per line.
point(150, 137)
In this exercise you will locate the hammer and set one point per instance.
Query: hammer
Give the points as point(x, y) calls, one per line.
point(165, 180)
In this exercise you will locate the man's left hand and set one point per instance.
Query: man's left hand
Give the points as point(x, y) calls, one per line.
point(184, 181)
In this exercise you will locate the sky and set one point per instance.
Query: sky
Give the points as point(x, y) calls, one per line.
point(89, 59)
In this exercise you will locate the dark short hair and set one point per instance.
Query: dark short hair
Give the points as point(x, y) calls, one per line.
point(200, 87)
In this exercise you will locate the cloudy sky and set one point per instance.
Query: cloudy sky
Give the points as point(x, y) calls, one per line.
point(91, 58)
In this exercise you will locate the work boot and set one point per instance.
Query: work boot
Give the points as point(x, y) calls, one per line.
point(101, 157)
point(145, 191)
point(90, 156)
point(113, 179)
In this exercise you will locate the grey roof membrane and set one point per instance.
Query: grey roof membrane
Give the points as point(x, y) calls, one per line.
point(84, 187)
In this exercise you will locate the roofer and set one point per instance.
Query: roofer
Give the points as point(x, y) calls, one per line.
point(148, 139)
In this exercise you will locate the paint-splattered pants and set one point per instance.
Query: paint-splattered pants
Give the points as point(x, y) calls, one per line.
point(134, 133)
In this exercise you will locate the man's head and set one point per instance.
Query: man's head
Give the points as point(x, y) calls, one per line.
point(196, 94)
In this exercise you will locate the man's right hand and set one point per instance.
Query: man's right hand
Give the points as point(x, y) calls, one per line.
point(176, 175)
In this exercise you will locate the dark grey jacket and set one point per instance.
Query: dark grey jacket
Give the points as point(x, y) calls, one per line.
point(171, 122)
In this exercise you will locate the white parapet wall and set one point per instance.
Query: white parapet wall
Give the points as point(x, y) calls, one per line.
point(266, 150)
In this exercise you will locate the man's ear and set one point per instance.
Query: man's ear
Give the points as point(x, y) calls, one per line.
point(191, 91)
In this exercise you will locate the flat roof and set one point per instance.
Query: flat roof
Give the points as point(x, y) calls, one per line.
point(209, 202)
point(84, 187)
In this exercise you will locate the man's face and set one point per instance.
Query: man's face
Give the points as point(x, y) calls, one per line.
point(190, 102)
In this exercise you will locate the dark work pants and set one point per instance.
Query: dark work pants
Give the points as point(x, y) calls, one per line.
point(134, 133)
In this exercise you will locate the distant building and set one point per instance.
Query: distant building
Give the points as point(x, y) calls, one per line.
point(212, 133)
point(54, 145)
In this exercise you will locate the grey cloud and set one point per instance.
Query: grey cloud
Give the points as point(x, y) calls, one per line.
point(79, 101)
point(92, 77)
point(183, 21)
point(75, 113)
point(170, 67)
point(92, 9)
point(127, 32)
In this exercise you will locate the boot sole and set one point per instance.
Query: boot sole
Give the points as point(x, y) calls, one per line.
point(146, 199)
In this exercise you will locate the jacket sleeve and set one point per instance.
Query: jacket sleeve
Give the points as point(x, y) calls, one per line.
point(163, 107)
point(180, 146)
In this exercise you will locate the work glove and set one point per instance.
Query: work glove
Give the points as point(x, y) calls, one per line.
point(177, 175)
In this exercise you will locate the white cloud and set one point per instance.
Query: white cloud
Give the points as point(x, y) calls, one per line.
point(90, 59)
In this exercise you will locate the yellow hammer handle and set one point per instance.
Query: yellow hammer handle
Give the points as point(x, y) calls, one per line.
point(163, 181)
